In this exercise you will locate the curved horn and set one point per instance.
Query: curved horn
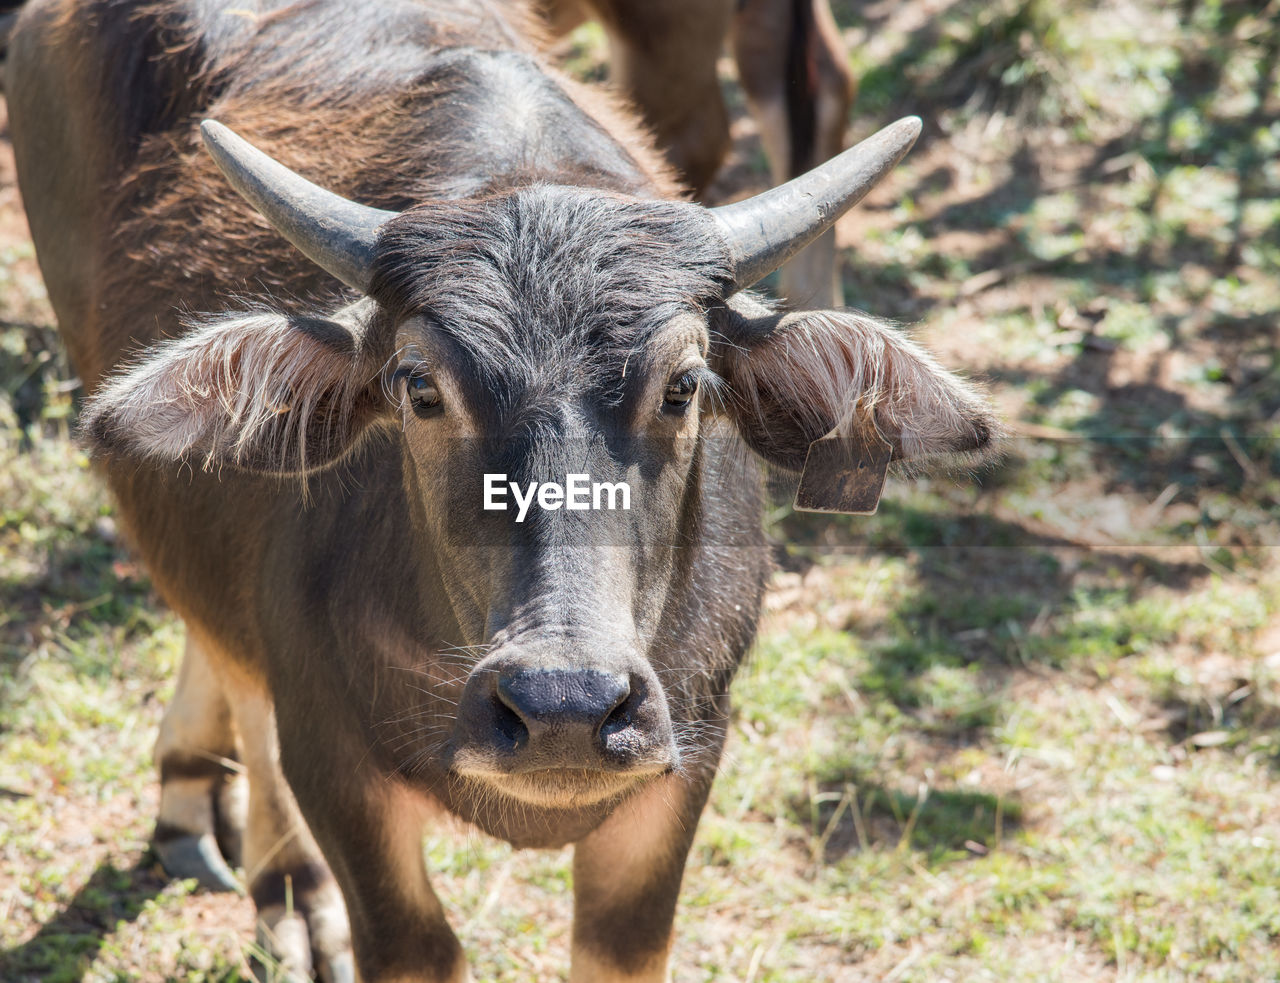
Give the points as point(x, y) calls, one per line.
point(767, 230)
point(336, 234)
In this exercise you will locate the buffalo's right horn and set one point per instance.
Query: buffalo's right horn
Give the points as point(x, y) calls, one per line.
point(765, 231)
point(336, 234)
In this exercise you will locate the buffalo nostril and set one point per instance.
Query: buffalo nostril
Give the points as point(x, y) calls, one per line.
point(620, 714)
point(507, 722)
point(619, 719)
point(629, 704)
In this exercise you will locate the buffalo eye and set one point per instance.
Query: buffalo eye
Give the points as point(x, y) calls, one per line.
point(421, 389)
point(680, 391)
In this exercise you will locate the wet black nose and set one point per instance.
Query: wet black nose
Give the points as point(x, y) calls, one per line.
point(515, 717)
point(563, 705)
point(563, 718)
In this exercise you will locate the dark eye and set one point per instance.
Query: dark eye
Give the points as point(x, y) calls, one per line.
point(423, 395)
point(680, 391)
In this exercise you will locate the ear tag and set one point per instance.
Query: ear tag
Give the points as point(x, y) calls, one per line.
point(844, 472)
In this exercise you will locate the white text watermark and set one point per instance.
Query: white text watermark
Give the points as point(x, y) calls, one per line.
point(578, 494)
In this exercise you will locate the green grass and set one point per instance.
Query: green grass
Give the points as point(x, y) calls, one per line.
point(1020, 725)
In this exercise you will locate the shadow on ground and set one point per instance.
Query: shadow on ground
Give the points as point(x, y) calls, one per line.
point(65, 946)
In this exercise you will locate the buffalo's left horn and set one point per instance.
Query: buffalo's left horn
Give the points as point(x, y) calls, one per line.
point(765, 231)
point(336, 234)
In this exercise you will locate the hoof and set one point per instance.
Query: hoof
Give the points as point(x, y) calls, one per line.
point(284, 950)
point(338, 969)
point(292, 946)
point(198, 858)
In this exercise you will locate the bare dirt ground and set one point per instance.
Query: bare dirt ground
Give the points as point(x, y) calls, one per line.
point(1021, 725)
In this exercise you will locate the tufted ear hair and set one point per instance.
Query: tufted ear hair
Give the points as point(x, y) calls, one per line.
point(262, 391)
point(793, 378)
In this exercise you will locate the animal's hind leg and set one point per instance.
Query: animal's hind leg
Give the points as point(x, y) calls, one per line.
point(794, 70)
point(302, 921)
point(663, 56)
point(202, 792)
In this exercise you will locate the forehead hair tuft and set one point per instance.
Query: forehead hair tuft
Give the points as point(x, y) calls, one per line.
point(549, 281)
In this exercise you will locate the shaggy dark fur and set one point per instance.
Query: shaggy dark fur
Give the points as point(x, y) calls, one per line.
point(547, 285)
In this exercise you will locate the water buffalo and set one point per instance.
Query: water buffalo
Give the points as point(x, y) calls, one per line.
point(494, 273)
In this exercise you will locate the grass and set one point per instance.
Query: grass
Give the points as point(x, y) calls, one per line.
point(1017, 726)
point(1038, 805)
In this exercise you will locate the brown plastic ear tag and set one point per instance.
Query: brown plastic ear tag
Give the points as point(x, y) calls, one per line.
point(844, 472)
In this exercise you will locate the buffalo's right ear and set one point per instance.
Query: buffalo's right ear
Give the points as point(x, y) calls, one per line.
point(265, 392)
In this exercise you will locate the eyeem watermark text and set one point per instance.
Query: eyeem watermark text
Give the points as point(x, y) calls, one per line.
point(578, 494)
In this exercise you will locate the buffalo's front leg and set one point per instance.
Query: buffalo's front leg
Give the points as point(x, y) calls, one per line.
point(370, 827)
point(301, 921)
point(626, 878)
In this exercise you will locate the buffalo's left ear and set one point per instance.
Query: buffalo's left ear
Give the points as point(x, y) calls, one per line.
point(793, 378)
